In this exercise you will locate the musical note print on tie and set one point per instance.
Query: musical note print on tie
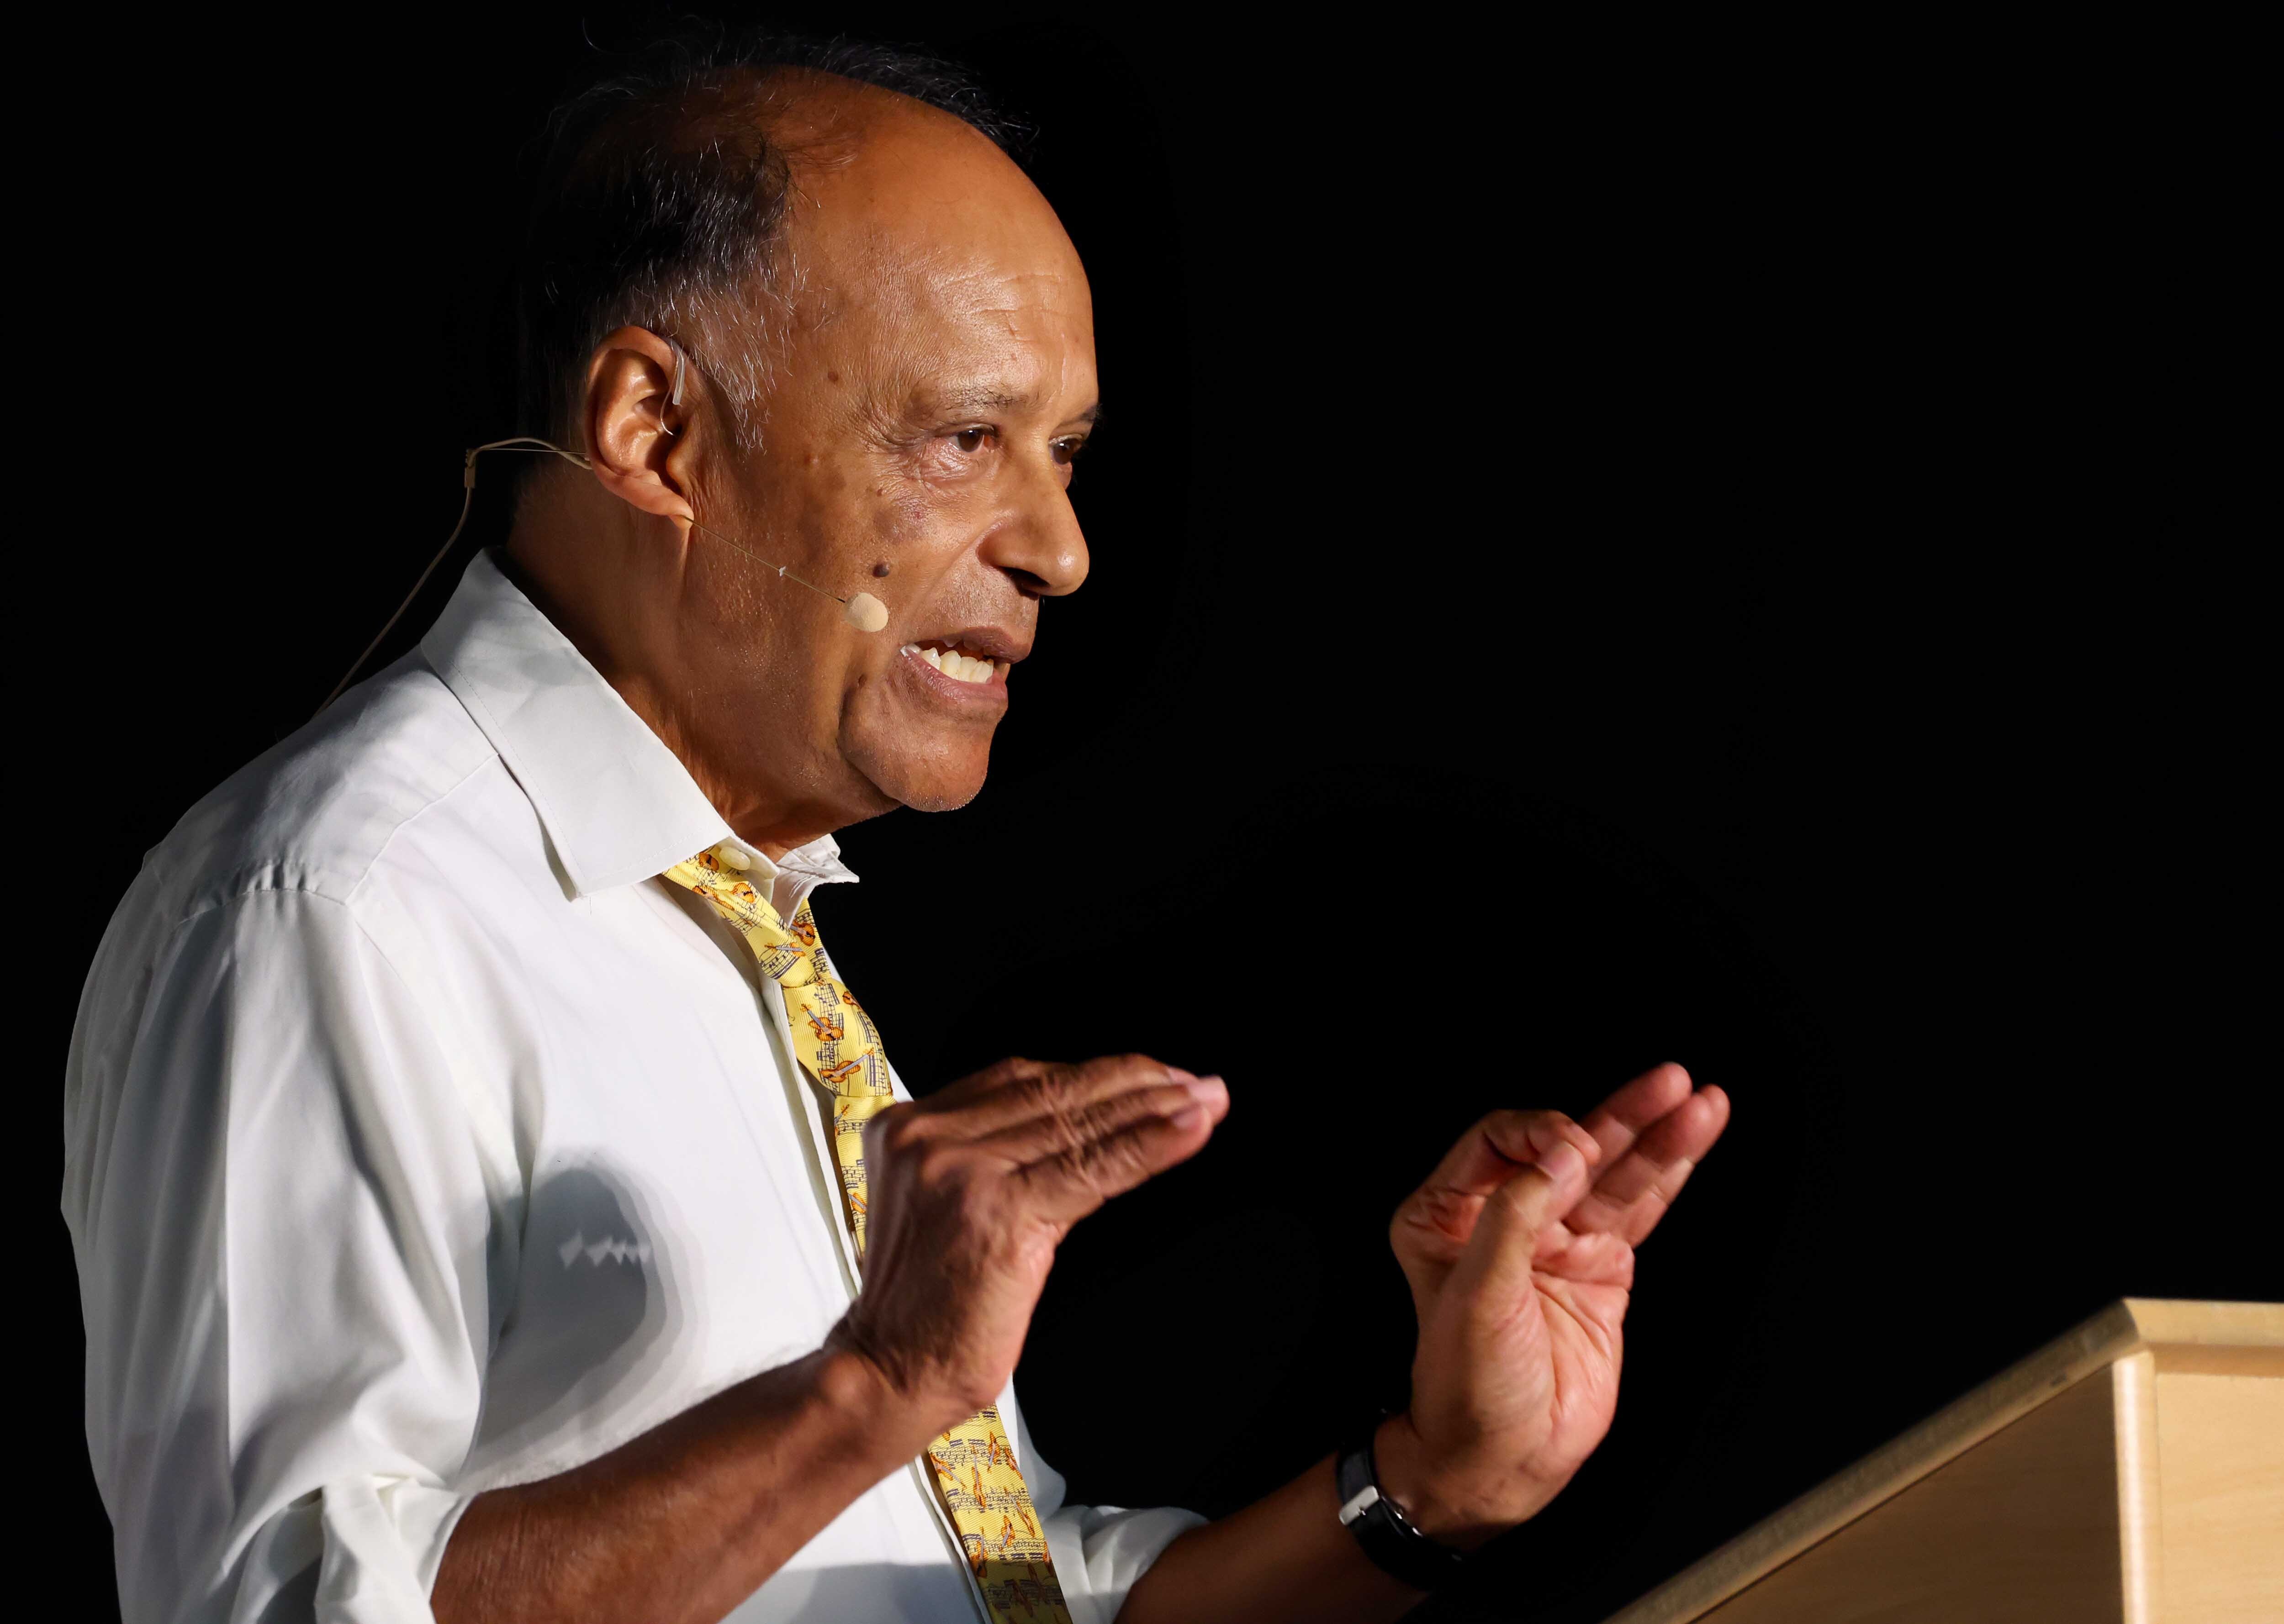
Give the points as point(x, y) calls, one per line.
point(973, 1463)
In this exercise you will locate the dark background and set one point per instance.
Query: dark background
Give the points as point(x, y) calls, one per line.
point(1688, 542)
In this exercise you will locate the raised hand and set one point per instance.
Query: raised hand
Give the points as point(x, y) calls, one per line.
point(973, 1189)
point(1519, 1249)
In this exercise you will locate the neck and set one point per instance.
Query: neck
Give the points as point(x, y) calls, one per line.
point(585, 570)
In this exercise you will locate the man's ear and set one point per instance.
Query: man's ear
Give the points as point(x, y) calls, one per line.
point(634, 434)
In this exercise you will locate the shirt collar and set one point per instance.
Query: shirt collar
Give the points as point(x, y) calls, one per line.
point(617, 804)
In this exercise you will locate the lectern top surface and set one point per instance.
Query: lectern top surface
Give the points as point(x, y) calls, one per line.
point(2244, 1339)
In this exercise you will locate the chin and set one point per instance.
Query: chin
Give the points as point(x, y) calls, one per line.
point(942, 800)
point(926, 781)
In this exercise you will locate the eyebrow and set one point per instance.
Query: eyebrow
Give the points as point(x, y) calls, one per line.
point(989, 399)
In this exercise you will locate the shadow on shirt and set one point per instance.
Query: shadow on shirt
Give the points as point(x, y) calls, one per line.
point(595, 1308)
point(593, 1311)
point(589, 1315)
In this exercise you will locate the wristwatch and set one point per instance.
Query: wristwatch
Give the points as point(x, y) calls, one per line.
point(1381, 1526)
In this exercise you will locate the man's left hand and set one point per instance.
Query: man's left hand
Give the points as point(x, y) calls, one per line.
point(1520, 1249)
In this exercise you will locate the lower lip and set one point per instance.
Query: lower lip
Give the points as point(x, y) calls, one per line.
point(994, 691)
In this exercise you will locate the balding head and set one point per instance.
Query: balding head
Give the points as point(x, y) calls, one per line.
point(665, 190)
point(886, 397)
point(904, 219)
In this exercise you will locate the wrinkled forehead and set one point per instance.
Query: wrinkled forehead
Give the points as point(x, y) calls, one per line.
point(892, 278)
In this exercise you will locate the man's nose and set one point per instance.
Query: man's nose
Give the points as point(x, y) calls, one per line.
point(1041, 546)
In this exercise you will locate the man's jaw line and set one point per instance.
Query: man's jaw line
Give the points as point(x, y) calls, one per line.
point(951, 687)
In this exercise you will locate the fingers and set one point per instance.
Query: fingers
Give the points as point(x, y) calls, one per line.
point(1584, 1259)
point(1014, 1093)
point(1432, 1225)
point(1499, 1256)
point(1060, 1126)
point(1488, 1154)
point(1070, 1183)
point(1060, 1140)
point(1633, 1193)
point(1627, 1115)
point(1519, 1167)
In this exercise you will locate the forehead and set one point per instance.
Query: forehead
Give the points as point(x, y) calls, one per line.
point(920, 248)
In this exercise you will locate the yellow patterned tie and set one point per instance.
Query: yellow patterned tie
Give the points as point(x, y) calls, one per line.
point(837, 1045)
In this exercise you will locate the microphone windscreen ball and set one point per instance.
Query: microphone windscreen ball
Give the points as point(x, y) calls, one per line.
point(867, 613)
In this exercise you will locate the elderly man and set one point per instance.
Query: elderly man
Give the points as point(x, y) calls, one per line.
point(473, 1154)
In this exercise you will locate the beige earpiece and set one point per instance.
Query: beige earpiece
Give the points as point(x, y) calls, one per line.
point(863, 611)
point(674, 395)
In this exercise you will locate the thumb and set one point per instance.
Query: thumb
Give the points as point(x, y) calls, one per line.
point(1497, 1259)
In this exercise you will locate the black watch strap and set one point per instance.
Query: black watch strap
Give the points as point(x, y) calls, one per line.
point(1381, 1526)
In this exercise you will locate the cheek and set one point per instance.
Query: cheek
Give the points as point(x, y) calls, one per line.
point(903, 538)
point(896, 515)
point(825, 495)
point(837, 520)
point(848, 519)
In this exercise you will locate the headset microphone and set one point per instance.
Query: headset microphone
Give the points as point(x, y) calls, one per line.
point(861, 609)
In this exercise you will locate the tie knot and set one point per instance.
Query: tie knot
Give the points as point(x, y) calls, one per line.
point(723, 884)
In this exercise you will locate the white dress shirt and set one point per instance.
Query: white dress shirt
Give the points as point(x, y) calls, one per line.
point(418, 1141)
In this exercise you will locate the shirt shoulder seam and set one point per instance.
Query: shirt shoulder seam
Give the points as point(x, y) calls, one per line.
point(285, 875)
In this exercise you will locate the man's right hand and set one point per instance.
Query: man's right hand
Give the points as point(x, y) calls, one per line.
point(973, 1189)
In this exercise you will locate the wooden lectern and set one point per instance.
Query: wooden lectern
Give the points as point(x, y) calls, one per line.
point(2131, 1473)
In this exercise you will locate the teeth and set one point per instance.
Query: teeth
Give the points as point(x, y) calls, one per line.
point(964, 668)
point(909, 648)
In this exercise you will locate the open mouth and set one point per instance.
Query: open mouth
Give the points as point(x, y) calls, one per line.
point(962, 665)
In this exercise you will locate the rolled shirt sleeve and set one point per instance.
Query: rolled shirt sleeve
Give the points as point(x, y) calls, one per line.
point(283, 1226)
point(1100, 1551)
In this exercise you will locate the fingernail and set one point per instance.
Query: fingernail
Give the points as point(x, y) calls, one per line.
point(1188, 1116)
point(1206, 1090)
point(1175, 1073)
point(1563, 1165)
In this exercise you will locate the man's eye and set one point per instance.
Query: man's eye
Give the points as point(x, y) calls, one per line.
point(1068, 450)
point(971, 439)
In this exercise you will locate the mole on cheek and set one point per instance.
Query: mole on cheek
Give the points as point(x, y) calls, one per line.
point(879, 570)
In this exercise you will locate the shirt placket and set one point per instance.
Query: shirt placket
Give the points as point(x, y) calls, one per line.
point(780, 1023)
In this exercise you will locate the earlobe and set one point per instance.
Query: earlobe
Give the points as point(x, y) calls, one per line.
point(638, 387)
